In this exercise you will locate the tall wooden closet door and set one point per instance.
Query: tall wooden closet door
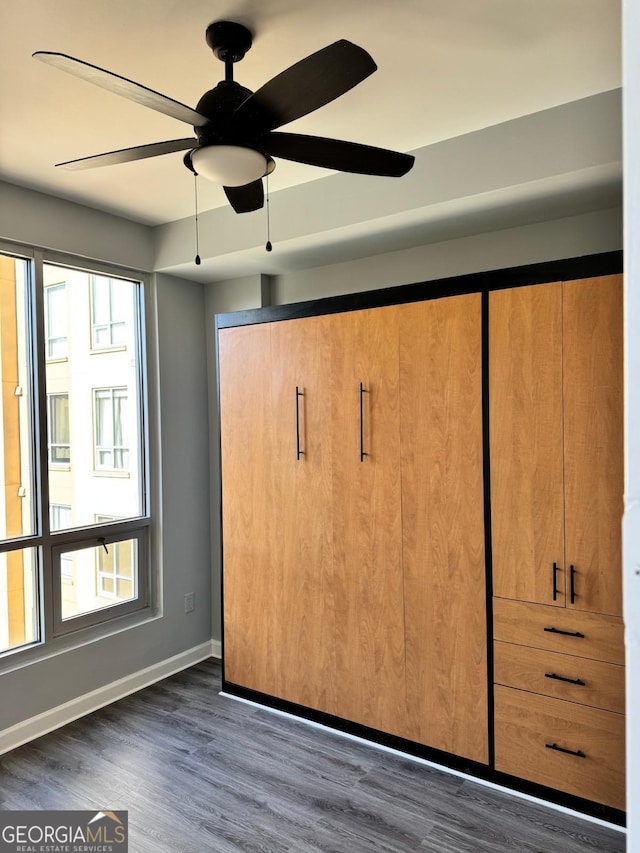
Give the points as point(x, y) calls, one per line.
point(443, 525)
point(303, 549)
point(367, 528)
point(527, 490)
point(250, 587)
point(593, 400)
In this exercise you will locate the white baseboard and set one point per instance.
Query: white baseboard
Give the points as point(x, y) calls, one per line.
point(46, 722)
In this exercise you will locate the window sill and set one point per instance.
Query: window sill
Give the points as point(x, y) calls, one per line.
point(103, 350)
point(15, 659)
point(58, 360)
point(55, 466)
point(113, 472)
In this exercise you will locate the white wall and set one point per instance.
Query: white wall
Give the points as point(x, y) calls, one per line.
point(42, 220)
point(631, 555)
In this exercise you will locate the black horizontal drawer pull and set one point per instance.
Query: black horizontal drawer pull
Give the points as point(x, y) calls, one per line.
point(577, 752)
point(565, 633)
point(568, 680)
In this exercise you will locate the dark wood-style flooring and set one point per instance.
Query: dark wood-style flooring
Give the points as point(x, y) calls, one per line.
point(198, 772)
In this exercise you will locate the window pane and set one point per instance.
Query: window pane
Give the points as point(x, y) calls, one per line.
point(55, 320)
point(18, 596)
point(96, 579)
point(103, 392)
point(16, 436)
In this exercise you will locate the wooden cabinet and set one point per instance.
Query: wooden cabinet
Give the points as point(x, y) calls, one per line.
point(367, 544)
point(300, 553)
point(555, 395)
point(525, 394)
point(356, 513)
point(354, 575)
point(443, 524)
point(247, 440)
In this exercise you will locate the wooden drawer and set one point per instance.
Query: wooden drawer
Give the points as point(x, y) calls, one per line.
point(587, 635)
point(600, 685)
point(526, 726)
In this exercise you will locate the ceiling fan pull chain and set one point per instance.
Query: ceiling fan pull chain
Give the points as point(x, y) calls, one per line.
point(268, 247)
point(195, 188)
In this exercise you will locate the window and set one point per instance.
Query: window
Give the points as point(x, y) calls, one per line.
point(55, 320)
point(59, 517)
point(110, 307)
point(63, 567)
point(58, 424)
point(110, 418)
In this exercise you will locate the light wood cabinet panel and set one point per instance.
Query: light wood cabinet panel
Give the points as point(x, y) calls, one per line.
point(443, 525)
point(368, 588)
point(574, 679)
point(250, 583)
point(527, 726)
point(302, 556)
point(572, 632)
point(593, 428)
point(526, 437)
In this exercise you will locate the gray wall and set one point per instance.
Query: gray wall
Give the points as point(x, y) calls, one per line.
point(585, 234)
point(182, 560)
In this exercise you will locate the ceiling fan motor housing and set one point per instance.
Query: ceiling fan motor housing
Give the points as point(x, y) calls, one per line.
point(228, 40)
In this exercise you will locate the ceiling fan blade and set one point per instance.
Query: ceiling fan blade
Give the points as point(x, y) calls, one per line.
point(307, 85)
point(247, 198)
point(126, 155)
point(337, 154)
point(122, 86)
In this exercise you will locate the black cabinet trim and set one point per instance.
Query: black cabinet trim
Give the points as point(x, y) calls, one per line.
point(588, 266)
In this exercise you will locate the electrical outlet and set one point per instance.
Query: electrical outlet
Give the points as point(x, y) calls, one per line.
point(189, 602)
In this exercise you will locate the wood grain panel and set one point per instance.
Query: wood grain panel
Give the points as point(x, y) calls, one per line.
point(600, 685)
point(367, 527)
point(525, 393)
point(594, 463)
point(443, 524)
point(525, 723)
point(248, 507)
point(303, 549)
point(523, 623)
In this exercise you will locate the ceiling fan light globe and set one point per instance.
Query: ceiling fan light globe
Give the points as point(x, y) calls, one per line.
point(231, 165)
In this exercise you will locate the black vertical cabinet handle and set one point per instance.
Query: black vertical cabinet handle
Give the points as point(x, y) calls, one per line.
point(299, 394)
point(556, 568)
point(577, 752)
point(572, 583)
point(363, 391)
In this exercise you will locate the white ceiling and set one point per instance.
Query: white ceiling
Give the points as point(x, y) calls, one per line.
point(445, 67)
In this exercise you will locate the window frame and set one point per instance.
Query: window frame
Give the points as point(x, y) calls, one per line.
point(50, 635)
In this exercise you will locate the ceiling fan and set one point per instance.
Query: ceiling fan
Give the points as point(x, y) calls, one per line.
point(235, 128)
